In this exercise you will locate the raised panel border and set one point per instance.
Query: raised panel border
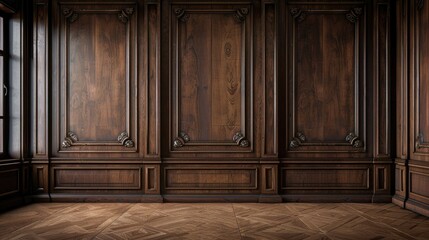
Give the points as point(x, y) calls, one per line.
point(353, 141)
point(179, 141)
point(365, 186)
point(250, 187)
point(67, 138)
point(137, 185)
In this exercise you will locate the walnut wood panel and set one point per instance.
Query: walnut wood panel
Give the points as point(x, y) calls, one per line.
point(41, 69)
point(213, 178)
point(326, 78)
point(420, 77)
point(211, 80)
point(152, 179)
point(269, 179)
point(153, 94)
point(40, 178)
point(98, 83)
point(382, 83)
point(329, 178)
point(419, 180)
point(10, 177)
point(269, 26)
point(95, 178)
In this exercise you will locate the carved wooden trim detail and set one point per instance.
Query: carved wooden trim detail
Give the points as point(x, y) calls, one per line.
point(354, 140)
point(420, 4)
point(420, 143)
point(70, 14)
point(353, 14)
point(240, 14)
point(240, 139)
point(181, 14)
point(298, 14)
point(70, 138)
point(125, 14)
point(181, 140)
point(125, 140)
point(297, 140)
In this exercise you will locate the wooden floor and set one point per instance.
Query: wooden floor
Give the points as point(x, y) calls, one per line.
point(212, 221)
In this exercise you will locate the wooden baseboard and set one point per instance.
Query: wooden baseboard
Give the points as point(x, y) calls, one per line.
point(270, 199)
point(398, 200)
point(382, 198)
point(211, 198)
point(418, 207)
point(328, 198)
point(106, 198)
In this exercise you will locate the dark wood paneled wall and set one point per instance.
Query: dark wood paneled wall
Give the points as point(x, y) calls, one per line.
point(243, 101)
point(185, 101)
point(412, 157)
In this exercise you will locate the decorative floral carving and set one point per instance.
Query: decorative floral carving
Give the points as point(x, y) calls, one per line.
point(181, 14)
point(125, 140)
point(240, 14)
point(240, 139)
point(70, 138)
point(354, 140)
point(177, 143)
point(70, 15)
point(353, 14)
point(298, 14)
point(297, 140)
point(125, 14)
point(181, 140)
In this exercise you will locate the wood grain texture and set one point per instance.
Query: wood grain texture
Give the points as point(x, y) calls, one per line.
point(209, 92)
point(213, 221)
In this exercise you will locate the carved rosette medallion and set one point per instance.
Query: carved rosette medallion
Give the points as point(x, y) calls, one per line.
point(181, 140)
point(353, 14)
point(181, 14)
point(297, 140)
point(125, 14)
point(298, 14)
point(240, 14)
point(70, 138)
point(125, 140)
point(70, 14)
point(240, 139)
point(354, 140)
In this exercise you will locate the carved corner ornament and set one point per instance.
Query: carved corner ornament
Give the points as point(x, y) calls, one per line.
point(297, 140)
point(125, 14)
point(181, 14)
point(240, 139)
point(354, 140)
point(298, 14)
point(353, 14)
point(70, 14)
point(70, 138)
point(124, 139)
point(240, 14)
point(181, 140)
point(420, 142)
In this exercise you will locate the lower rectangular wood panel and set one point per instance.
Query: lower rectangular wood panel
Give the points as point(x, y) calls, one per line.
point(419, 184)
point(10, 181)
point(202, 178)
point(335, 178)
point(87, 178)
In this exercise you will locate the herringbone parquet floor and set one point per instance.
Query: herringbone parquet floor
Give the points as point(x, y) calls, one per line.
point(212, 221)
